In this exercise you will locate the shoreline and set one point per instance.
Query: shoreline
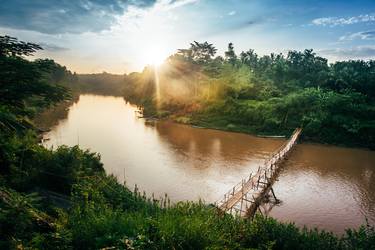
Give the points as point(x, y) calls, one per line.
point(242, 130)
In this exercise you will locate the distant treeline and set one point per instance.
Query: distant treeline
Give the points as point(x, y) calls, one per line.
point(270, 94)
point(100, 83)
point(103, 83)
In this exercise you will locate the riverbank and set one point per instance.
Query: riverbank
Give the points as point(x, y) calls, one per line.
point(262, 100)
point(222, 123)
point(48, 118)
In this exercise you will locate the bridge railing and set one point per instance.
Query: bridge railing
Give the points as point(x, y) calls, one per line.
point(236, 188)
point(262, 175)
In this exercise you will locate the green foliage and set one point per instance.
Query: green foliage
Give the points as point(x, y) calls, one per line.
point(198, 52)
point(95, 222)
point(11, 47)
point(27, 164)
point(363, 238)
point(24, 85)
point(269, 94)
point(230, 55)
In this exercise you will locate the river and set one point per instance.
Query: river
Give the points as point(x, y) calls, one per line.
point(328, 187)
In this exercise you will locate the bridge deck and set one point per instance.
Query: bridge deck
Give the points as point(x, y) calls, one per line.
point(245, 197)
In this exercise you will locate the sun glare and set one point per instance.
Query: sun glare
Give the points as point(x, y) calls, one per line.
point(153, 55)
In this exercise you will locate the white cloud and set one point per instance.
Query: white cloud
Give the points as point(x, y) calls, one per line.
point(232, 13)
point(360, 52)
point(363, 35)
point(336, 21)
point(172, 4)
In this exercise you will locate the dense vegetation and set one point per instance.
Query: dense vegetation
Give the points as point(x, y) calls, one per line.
point(271, 94)
point(63, 199)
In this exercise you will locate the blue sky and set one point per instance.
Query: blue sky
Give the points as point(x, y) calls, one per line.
point(124, 35)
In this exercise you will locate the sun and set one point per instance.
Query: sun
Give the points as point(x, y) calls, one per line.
point(156, 57)
point(153, 55)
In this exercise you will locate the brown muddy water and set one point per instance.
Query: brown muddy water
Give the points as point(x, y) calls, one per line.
point(321, 186)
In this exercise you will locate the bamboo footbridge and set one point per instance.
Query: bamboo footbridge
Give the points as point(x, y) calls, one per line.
point(245, 198)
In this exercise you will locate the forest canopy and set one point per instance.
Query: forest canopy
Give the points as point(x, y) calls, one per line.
point(270, 94)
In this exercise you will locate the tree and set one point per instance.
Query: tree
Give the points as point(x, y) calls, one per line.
point(10, 46)
point(230, 55)
point(311, 70)
point(353, 75)
point(249, 58)
point(202, 52)
point(21, 81)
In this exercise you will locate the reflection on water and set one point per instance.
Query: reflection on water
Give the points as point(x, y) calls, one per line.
point(329, 187)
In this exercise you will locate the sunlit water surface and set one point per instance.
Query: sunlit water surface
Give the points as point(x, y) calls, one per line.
point(329, 187)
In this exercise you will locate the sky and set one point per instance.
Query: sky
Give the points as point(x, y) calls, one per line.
point(121, 36)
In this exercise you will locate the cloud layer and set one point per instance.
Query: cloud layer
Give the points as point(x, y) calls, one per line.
point(360, 52)
point(52, 47)
point(336, 21)
point(64, 16)
point(363, 35)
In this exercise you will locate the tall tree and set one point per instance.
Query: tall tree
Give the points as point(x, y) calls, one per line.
point(230, 55)
point(202, 52)
point(21, 81)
